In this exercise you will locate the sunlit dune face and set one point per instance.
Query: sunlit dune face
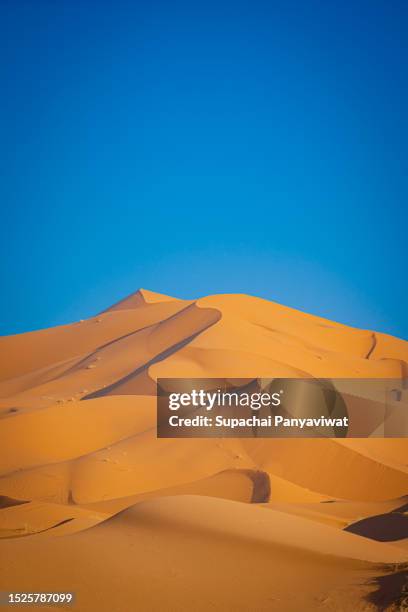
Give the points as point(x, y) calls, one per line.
point(78, 449)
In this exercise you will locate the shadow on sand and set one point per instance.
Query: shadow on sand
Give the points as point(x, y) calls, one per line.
point(391, 591)
point(388, 527)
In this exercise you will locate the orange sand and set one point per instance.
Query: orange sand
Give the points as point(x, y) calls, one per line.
point(131, 522)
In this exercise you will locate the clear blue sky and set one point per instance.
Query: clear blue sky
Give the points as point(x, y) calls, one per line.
point(204, 147)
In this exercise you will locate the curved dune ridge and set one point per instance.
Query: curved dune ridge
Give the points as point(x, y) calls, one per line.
point(78, 449)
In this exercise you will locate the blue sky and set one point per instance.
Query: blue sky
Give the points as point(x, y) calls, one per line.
point(195, 148)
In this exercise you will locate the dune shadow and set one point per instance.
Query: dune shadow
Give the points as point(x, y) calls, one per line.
point(214, 316)
point(391, 590)
point(382, 527)
point(8, 502)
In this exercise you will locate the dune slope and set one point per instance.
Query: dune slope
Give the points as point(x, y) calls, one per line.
point(209, 523)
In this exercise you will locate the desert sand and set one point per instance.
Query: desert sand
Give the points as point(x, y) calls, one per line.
point(92, 502)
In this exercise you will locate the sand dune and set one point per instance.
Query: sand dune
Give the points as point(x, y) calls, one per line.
point(150, 556)
point(224, 524)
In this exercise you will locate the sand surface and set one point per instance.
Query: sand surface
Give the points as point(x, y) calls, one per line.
point(92, 502)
